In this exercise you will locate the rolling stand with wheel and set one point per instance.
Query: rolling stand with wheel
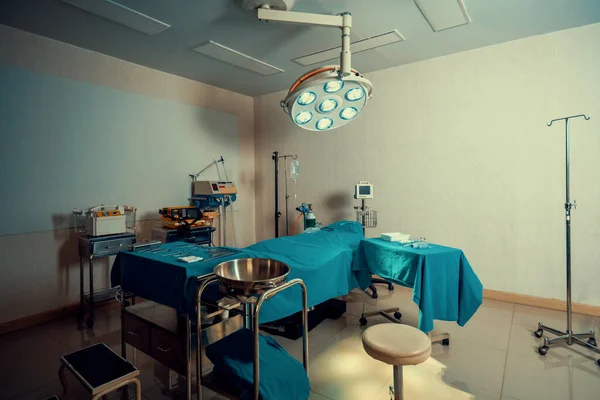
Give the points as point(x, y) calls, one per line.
point(368, 219)
point(567, 337)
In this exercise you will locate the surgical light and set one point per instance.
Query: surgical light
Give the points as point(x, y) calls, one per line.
point(324, 124)
point(354, 94)
point(306, 98)
point(348, 113)
point(338, 91)
point(303, 117)
point(328, 105)
point(333, 86)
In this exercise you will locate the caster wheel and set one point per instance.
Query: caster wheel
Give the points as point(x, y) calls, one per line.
point(390, 287)
point(363, 321)
point(89, 323)
point(539, 333)
point(543, 350)
point(592, 342)
point(374, 295)
point(446, 342)
point(398, 315)
point(598, 362)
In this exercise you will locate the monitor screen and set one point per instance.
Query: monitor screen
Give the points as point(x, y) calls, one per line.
point(190, 213)
point(364, 190)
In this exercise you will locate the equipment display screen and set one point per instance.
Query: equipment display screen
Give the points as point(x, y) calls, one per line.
point(190, 213)
point(364, 190)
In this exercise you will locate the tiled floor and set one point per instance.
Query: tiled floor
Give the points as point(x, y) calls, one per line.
point(492, 358)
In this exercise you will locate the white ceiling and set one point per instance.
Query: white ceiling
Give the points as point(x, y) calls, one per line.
point(194, 22)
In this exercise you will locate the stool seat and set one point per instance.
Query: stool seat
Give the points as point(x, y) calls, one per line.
point(100, 370)
point(396, 344)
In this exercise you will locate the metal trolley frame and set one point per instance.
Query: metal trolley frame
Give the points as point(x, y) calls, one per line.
point(251, 311)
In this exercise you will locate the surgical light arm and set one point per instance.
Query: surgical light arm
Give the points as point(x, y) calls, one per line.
point(216, 164)
point(343, 21)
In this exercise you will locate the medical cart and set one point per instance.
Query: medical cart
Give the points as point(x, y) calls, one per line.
point(198, 235)
point(90, 249)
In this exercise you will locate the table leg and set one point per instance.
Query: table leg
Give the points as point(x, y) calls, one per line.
point(123, 343)
point(188, 359)
point(90, 320)
point(81, 312)
point(63, 379)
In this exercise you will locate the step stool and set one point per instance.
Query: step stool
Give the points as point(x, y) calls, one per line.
point(100, 370)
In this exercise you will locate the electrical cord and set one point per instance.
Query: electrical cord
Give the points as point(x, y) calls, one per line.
point(296, 223)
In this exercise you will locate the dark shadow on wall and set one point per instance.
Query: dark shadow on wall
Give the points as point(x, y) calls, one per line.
point(65, 237)
point(338, 204)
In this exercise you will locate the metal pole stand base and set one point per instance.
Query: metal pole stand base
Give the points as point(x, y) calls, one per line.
point(384, 313)
point(568, 337)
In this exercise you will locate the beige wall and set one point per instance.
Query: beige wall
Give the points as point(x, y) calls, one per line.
point(39, 271)
point(459, 152)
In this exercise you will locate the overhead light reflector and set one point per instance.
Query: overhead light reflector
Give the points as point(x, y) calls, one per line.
point(348, 113)
point(122, 15)
point(444, 14)
point(227, 55)
point(333, 86)
point(324, 124)
point(309, 94)
point(303, 117)
point(358, 46)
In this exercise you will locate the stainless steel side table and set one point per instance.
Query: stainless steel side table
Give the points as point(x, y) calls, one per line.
point(91, 248)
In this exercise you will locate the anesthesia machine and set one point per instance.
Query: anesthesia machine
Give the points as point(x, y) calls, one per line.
point(213, 197)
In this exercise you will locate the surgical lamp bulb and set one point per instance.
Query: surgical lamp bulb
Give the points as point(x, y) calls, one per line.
point(324, 123)
point(303, 117)
point(348, 113)
point(333, 86)
point(306, 98)
point(355, 94)
point(328, 105)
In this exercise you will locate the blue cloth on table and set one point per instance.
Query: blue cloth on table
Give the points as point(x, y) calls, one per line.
point(281, 375)
point(323, 260)
point(445, 287)
point(160, 277)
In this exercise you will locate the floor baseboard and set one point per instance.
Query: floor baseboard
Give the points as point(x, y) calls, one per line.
point(542, 302)
point(37, 319)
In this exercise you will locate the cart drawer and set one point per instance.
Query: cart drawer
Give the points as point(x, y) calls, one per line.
point(168, 348)
point(137, 333)
point(112, 246)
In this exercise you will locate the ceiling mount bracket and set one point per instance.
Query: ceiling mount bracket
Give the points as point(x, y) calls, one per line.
point(253, 5)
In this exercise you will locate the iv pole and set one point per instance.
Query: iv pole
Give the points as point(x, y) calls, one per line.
point(275, 157)
point(567, 337)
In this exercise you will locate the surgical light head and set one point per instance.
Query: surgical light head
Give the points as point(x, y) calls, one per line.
point(323, 100)
point(327, 97)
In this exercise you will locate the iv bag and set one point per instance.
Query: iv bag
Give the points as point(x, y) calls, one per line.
point(294, 170)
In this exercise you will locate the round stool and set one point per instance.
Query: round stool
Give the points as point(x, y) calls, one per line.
point(397, 345)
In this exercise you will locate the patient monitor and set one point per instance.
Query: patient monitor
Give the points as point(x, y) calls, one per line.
point(363, 190)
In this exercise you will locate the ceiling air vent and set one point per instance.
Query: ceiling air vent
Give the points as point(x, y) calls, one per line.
point(444, 14)
point(360, 45)
point(122, 15)
point(225, 54)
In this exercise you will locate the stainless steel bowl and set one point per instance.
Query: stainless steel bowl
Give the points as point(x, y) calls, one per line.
point(246, 277)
